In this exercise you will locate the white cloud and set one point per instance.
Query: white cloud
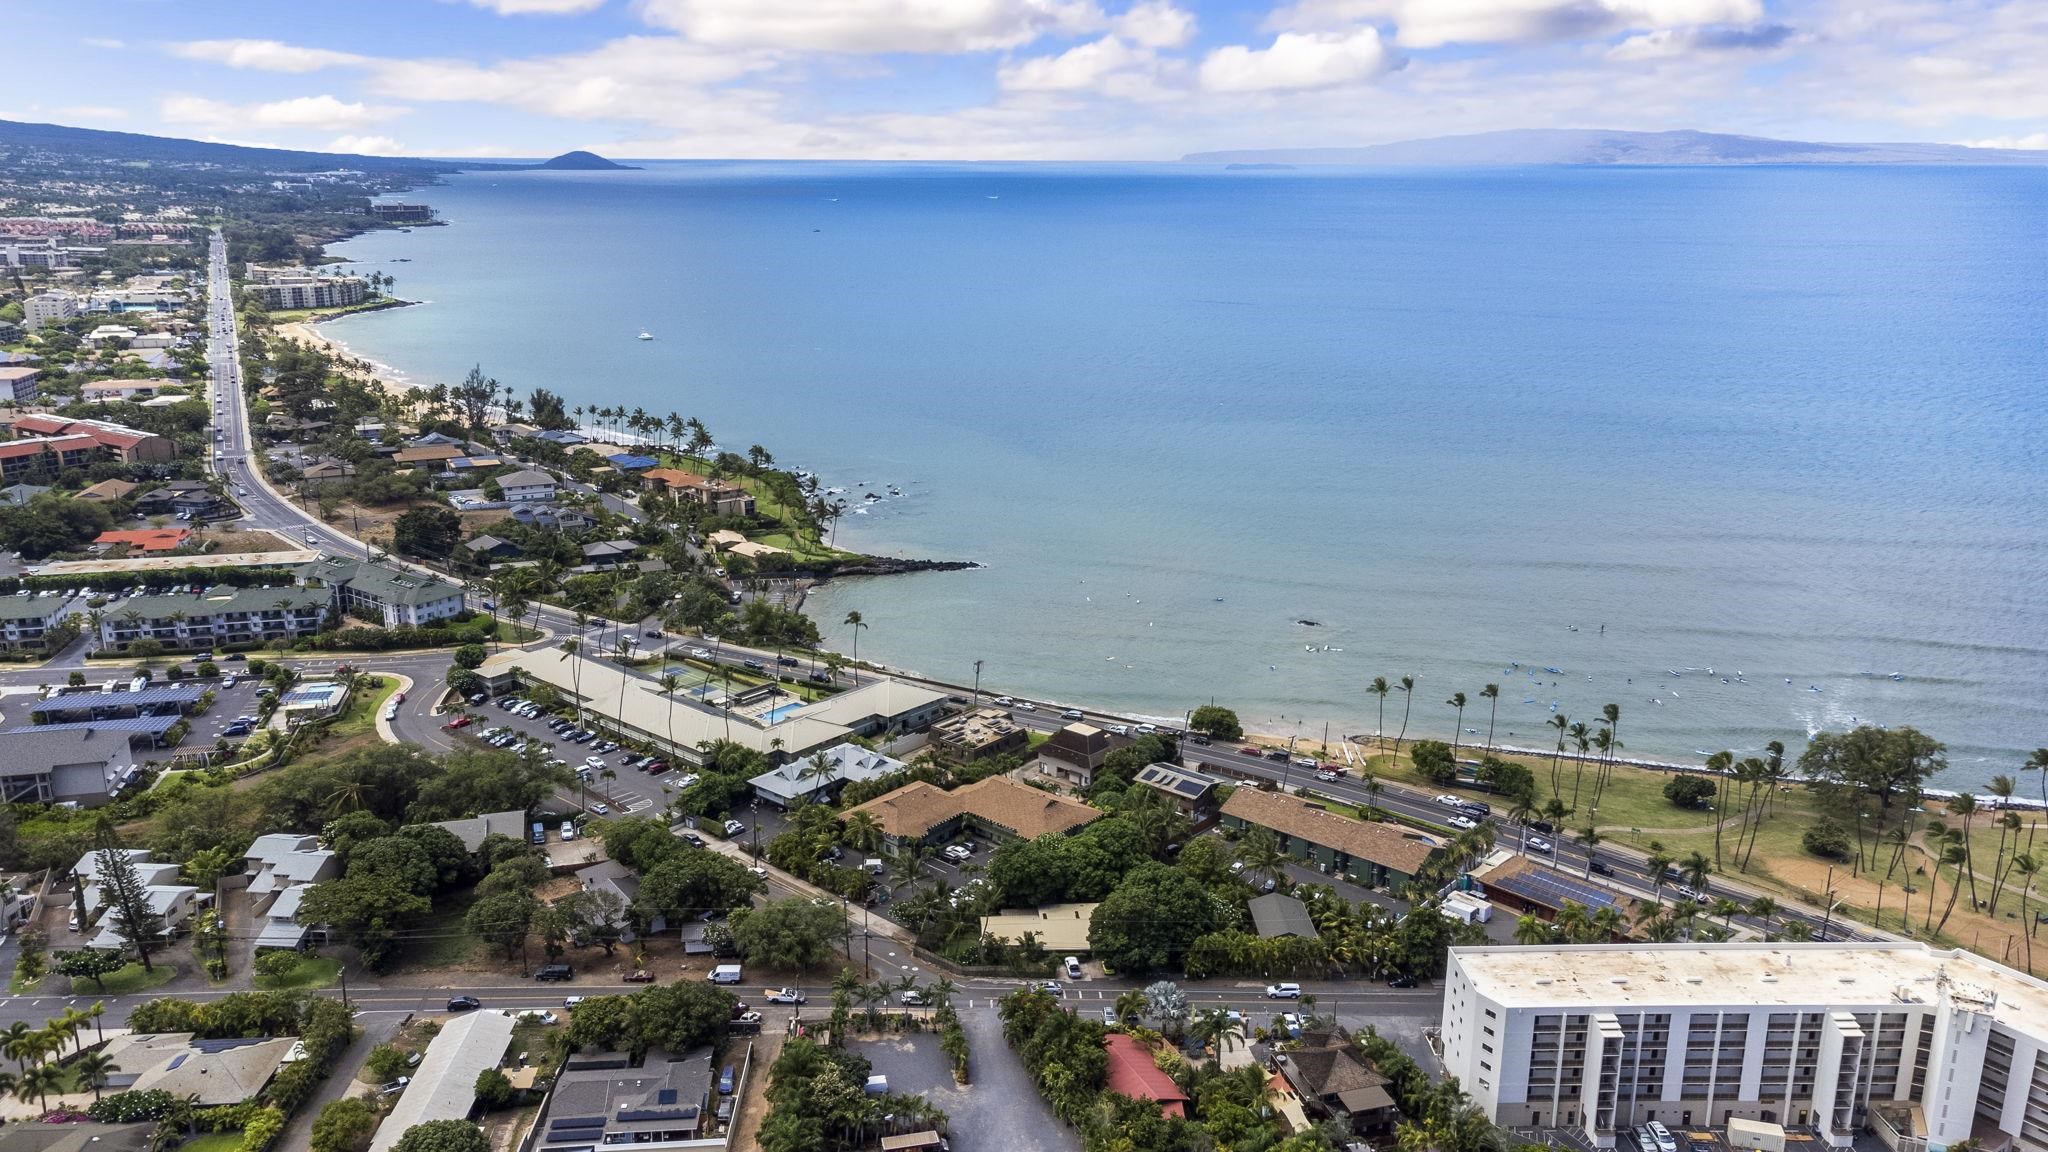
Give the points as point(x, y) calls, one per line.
point(539, 7)
point(106, 42)
point(641, 79)
point(93, 112)
point(1156, 24)
point(264, 55)
point(1433, 23)
point(308, 112)
point(1077, 69)
point(2037, 142)
point(865, 26)
point(366, 146)
point(1666, 43)
point(1299, 60)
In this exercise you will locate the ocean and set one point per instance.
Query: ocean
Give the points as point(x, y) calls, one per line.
point(1751, 452)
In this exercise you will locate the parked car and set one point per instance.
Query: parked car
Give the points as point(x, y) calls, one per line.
point(734, 828)
point(638, 976)
point(956, 853)
point(1403, 981)
point(458, 722)
point(570, 1002)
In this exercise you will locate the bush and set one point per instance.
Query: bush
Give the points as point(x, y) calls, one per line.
point(1826, 839)
point(344, 1126)
point(386, 1063)
point(1688, 791)
point(132, 1107)
point(1216, 721)
point(277, 965)
point(1434, 760)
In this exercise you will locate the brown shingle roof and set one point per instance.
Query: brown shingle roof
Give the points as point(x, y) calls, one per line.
point(1324, 1065)
point(1402, 849)
point(914, 810)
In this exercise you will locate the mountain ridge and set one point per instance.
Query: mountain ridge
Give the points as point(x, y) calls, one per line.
point(1595, 146)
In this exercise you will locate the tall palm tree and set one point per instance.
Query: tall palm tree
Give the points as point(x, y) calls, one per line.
point(1580, 741)
point(1491, 692)
point(1965, 805)
point(1956, 856)
point(2001, 787)
point(2025, 868)
point(17, 1041)
point(1407, 687)
point(1590, 837)
point(1457, 701)
point(1531, 929)
point(1562, 723)
point(1379, 687)
point(1611, 713)
point(2038, 765)
point(859, 625)
point(1656, 864)
point(1726, 909)
point(1695, 868)
point(92, 1070)
point(38, 1082)
point(1261, 855)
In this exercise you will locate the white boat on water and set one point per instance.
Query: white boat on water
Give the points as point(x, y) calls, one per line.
point(646, 335)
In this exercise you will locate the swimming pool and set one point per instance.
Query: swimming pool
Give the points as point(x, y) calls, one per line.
point(780, 712)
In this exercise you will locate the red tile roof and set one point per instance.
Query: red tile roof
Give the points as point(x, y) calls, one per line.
point(1132, 1073)
point(147, 539)
point(39, 423)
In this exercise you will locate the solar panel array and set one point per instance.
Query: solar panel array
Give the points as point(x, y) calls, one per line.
point(1551, 889)
point(154, 725)
point(178, 694)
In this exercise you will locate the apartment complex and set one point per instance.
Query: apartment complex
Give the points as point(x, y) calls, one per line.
point(48, 308)
point(220, 615)
point(1930, 1047)
point(47, 445)
point(1374, 853)
point(291, 288)
point(394, 596)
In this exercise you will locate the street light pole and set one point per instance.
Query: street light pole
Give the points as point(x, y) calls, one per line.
point(977, 683)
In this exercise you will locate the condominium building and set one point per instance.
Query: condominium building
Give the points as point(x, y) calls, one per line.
point(1929, 1047)
point(48, 308)
point(281, 292)
point(221, 615)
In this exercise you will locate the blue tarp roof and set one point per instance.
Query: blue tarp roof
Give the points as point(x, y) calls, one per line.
point(628, 460)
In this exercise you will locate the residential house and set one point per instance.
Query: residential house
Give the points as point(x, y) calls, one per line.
point(822, 775)
point(104, 391)
point(25, 621)
point(1334, 1082)
point(507, 433)
point(280, 924)
point(1276, 914)
point(426, 454)
point(487, 548)
point(207, 1073)
point(1519, 884)
point(216, 617)
point(84, 765)
point(881, 707)
point(1061, 929)
point(193, 498)
point(395, 597)
point(610, 553)
point(721, 498)
point(444, 1085)
point(72, 1136)
point(601, 1099)
point(473, 830)
point(977, 734)
point(563, 437)
point(327, 468)
point(107, 491)
point(1192, 793)
point(1074, 753)
point(553, 519)
point(372, 430)
point(528, 485)
point(1376, 853)
point(1134, 1073)
point(174, 903)
point(621, 881)
point(280, 861)
point(630, 462)
point(145, 539)
point(18, 495)
point(997, 808)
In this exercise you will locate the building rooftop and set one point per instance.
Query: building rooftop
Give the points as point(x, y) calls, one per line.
point(1833, 975)
point(31, 607)
point(599, 1098)
point(1174, 780)
point(1059, 927)
point(1390, 845)
point(382, 582)
point(473, 830)
point(915, 809)
point(877, 700)
point(1278, 914)
point(1133, 1073)
point(215, 601)
point(444, 1085)
point(976, 729)
point(147, 698)
point(49, 745)
point(524, 478)
point(147, 539)
point(844, 763)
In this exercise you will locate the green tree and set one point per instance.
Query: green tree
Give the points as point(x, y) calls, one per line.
point(430, 532)
point(1688, 791)
point(1434, 761)
point(503, 920)
point(125, 897)
point(1217, 721)
point(791, 934)
point(370, 911)
point(493, 1090)
point(443, 1136)
point(1148, 921)
point(93, 964)
point(470, 655)
point(344, 1125)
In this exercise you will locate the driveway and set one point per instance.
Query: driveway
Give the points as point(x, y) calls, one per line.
point(1001, 1111)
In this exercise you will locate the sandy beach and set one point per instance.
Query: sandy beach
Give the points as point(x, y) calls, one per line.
point(308, 332)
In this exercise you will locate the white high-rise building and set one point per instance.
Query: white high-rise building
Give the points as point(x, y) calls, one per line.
point(1936, 1045)
point(48, 308)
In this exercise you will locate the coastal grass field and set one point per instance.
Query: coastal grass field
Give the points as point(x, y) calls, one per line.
point(1634, 814)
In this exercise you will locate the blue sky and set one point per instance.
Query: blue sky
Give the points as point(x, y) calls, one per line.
point(1017, 79)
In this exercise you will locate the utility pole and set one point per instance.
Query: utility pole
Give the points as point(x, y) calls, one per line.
point(977, 683)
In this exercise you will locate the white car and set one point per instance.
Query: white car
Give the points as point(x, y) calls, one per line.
point(593, 762)
point(600, 810)
point(1463, 823)
point(956, 853)
point(1118, 729)
point(1449, 801)
point(1328, 777)
point(1071, 714)
point(785, 996)
point(1005, 701)
point(1289, 991)
point(1026, 706)
point(1539, 844)
point(700, 653)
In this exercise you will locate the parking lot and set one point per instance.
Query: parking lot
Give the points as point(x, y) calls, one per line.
point(999, 1111)
point(631, 791)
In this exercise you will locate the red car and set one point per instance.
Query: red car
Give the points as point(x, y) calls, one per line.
point(458, 722)
point(638, 976)
point(1252, 750)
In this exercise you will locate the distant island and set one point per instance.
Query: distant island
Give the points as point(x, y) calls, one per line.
point(1258, 167)
point(581, 161)
point(1598, 146)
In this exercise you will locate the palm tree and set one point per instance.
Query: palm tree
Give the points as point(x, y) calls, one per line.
point(1562, 723)
point(1379, 687)
point(858, 624)
point(1130, 1005)
point(1491, 692)
point(1611, 713)
point(1260, 854)
point(1589, 836)
point(1580, 741)
point(1407, 687)
point(1531, 929)
point(2025, 868)
point(1956, 856)
point(1656, 864)
point(862, 831)
point(38, 1082)
point(17, 1040)
point(2002, 788)
point(1726, 909)
point(1965, 804)
point(2038, 765)
point(92, 1070)
point(1457, 701)
point(1695, 869)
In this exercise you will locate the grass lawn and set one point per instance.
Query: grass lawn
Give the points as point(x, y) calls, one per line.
point(128, 980)
point(442, 940)
point(363, 709)
point(510, 633)
point(213, 1142)
point(19, 987)
point(312, 972)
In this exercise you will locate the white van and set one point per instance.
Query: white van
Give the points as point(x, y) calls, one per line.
point(726, 974)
